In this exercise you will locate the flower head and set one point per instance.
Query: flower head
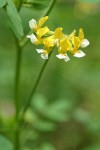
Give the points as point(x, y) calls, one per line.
point(50, 39)
point(33, 24)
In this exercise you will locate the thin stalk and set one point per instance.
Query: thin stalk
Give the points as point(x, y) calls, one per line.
point(24, 41)
point(35, 87)
point(50, 8)
point(17, 106)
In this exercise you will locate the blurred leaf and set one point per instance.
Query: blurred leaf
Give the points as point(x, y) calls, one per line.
point(93, 147)
point(2, 3)
point(44, 126)
point(57, 110)
point(30, 116)
point(39, 103)
point(91, 1)
point(47, 146)
point(37, 4)
point(15, 19)
point(82, 116)
point(5, 144)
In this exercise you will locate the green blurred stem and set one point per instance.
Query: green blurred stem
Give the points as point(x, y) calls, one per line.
point(35, 87)
point(24, 41)
point(17, 106)
point(18, 4)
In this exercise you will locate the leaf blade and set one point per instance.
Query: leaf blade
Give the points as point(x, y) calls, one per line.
point(15, 19)
point(2, 3)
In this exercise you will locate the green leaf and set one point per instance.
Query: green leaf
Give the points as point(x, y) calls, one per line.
point(2, 3)
point(5, 144)
point(47, 146)
point(15, 19)
point(39, 103)
point(57, 110)
point(44, 126)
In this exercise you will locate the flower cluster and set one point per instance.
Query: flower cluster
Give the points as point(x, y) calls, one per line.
point(49, 39)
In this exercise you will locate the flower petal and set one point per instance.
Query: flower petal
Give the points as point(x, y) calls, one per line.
point(61, 56)
point(67, 58)
point(40, 50)
point(84, 43)
point(32, 24)
point(42, 31)
point(33, 38)
point(44, 55)
point(42, 21)
point(79, 54)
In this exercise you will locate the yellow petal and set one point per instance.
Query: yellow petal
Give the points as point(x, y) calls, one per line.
point(42, 21)
point(65, 45)
point(72, 34)
point(48, 42)
point(58, 33)
point(81, 34)
point(42, 31)
point(76, 42)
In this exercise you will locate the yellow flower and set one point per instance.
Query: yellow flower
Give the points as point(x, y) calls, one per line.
point(37, 40)
point(79, 42)
point(34, 26)
point(58, 35)
point(65, 45)
point(49, 39)
point(48, 46)
point(84, 42)
point(76, 43)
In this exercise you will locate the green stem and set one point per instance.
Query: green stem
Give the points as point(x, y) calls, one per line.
point(50, 8)
point(25, 39)
point(35, 87)
point(18, 62)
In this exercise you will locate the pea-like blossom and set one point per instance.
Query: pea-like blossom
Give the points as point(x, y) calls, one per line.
point(64, 43)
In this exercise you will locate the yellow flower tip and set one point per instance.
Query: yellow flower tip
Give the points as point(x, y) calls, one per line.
point(76, 42)
point(42, 31)
point(81, 34)
point(72, 34)
point(58, 34)
point(42, 21)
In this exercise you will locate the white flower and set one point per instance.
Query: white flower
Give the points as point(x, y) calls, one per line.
point(63, 56)
point(32, 24)
point(33, 38)
point(84, 43)
point(79, 54)
point(43, 53)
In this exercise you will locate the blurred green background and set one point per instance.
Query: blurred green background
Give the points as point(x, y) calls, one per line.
point(65, 112)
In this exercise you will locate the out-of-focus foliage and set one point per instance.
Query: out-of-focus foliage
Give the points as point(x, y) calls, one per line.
point(65, 112)
point(2, 3)
point(15, 19)
point(5, 144)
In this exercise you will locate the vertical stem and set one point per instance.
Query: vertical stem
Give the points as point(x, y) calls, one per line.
point(17, 106)
point(35, 86)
